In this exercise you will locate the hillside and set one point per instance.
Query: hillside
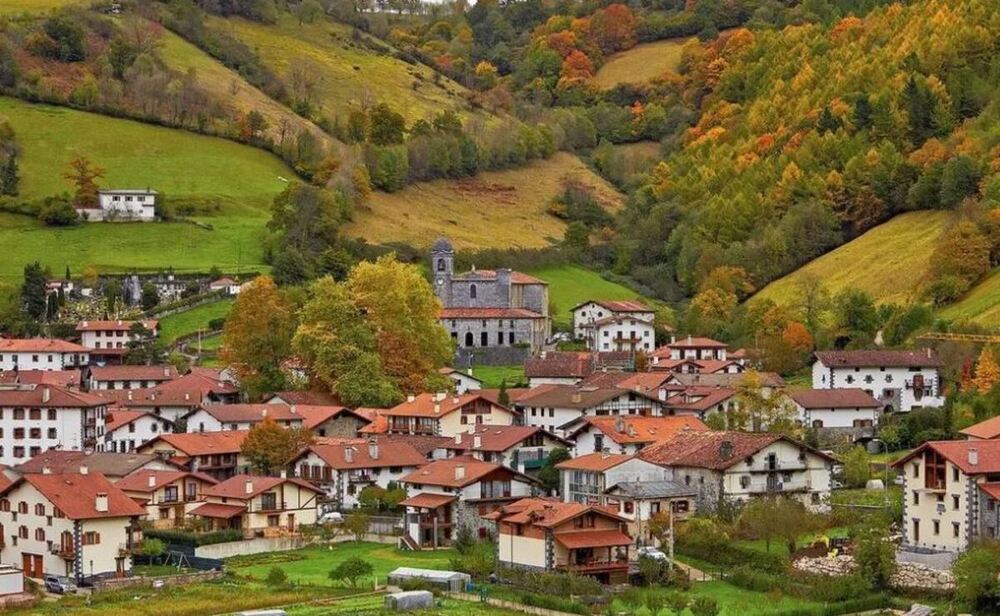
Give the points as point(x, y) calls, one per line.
point(570, 285)
point(347, 72)
point(980, 306)
point(889, 262)
point(497, 209)
point(641, 63)
point(210, 175)
point(16, 7)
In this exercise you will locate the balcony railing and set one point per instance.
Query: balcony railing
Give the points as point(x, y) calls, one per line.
point(66, 552)
point(360, 478)
point(583, 488)
point(778, 486)
point(274, 505)
point(429, 520)
point(781, 465)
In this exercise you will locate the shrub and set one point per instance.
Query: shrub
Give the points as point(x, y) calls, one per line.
point(276, 577)
point(180, 537)
point(563, 584)
point(478, 561)
point(351, 570)
point(151, 548)
point(704, 606)
point(557, 603)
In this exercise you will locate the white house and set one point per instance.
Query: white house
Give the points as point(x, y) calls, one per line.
point(554, 407)
point(640, 502)
point(129, 377)
point(836, 408)
point(74, 524)
point(585, 479)
point(167, 496)
point(125, 430)
point(692, 347)
point(609, 325)
point(442, 414)
point(34, 419)
point(627, 434)
point(108, 340)
point(259, 506)
point(342, 468)
point(41, 354)
point(518, 447)
point(122, 206)
point(227, 285)
point(900, 380)
point(464, 381)
point(737, 466)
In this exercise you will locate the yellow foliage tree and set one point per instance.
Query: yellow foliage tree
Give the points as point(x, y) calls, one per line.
point(987, 370)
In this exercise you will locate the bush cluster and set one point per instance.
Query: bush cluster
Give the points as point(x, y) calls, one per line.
point(181, 537)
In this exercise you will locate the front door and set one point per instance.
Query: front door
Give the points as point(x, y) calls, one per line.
point(291, 522)
point(32, 565)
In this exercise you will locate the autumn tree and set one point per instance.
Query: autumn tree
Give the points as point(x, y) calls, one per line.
point(758, 409)
point(84, 175)
point(257, 336)
point(987, 370)
point(269, 447)
point(613, 28)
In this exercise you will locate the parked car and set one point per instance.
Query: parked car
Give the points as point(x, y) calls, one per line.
point(649, 551)
point(59, 584)
point(331, 517)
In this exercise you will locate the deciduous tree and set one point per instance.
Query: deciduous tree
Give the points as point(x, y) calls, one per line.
point(269, 447)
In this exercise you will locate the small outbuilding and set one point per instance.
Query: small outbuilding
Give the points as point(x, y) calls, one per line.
point(409, 600)
point(454, 581)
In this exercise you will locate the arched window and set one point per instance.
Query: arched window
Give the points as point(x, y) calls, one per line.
point(22, 532)
point(440, 265)
point(469, 339)
point(22, 507)
point(472, 291)
point(39, 534)
point(39, 509)
point(4, 504)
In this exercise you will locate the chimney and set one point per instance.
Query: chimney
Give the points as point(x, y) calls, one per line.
point(283, 474)
point(662, 394)
point(152, 481)
point(576, 398)
point(373, 449)
point(411, 398)
point(673, 339)
point(248, 487)
point(166, 372)
point(441, 396)
point(458, 438)
point(460, 472)
point(349, 455)
point(477, 442)
point(263, 412)
point(85, 323)
point(46, 470)
point(84, 470)
point(726, 450)
point(543, 354)
point(187, 396)
point(619, 425)
point(973, 457)
point(928, 352)
point(130, 395)
point(291, 409)
point(46, 395)
point(455, 400)
point(632, 432)
point(101, 502)
point(437, 407)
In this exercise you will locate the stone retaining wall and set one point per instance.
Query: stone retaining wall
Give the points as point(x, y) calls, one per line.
point(908, 575)
point(168, 580)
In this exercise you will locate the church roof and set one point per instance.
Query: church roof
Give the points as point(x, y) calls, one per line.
point(442, 245)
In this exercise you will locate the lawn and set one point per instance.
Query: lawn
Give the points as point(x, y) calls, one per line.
point(493, 376)
point(890, 261)
point(190, 321)
point(347, 73)
point(735, 601)
point(641, 63)
point(312, 565)
point(495, 209)
point(870, 498)
point(570, 285)
point(980, 306)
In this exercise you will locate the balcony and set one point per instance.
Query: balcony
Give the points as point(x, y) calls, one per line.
point(66, 552)
point(270, 505)
point(360, 478)
point(429, 521)
point(584, 488)
point(780, 466)
point(125, 550)
point(778, 487)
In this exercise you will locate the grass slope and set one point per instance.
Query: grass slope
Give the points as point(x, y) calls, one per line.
point(980, 306)
point(641, 63)
point(570, 285)
point(890, 261)
point(17, 7)
point(497, 209)
point(190, 321)
point(228, 85)
point(348, 72)
point(237, 180)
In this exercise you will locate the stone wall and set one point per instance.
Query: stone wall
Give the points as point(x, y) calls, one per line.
point(908, 575)
point(491, 356)
point(167, 580)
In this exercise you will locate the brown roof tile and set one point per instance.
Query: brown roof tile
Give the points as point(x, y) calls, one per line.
point(235, 487)
point(834, 399)
point(334, 452)
point(76, 495)
point(917, 358)
point(598, 462)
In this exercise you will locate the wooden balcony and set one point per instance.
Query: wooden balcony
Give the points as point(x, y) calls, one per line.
point(65, 552)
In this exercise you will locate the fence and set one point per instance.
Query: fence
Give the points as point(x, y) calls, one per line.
point(385, 525)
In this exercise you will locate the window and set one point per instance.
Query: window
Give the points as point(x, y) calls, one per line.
point(916, 497)
point(629, 507)
point(269, 501)
point(22, 532)
point(954, 474)
point(53, 434)
point(39, 534)
point(22, 507)
point(35, 414)
point(18, 413)
point(744, 481)
point(36, 433)
point(39, 509)
point(18, 434)
point(52, 414)
point(916, 469)
point(273, 520)
point(91, 538)
point(850, 378)
point(954, 529)
point(954, 502)
point(472, 291)
point(937, 527)
point(170, 494)
point(18, 452)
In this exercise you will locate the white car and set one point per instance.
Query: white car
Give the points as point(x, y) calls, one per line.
point(651, 552)
point(331, 517)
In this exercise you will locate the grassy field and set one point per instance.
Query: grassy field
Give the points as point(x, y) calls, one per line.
point(981, 305)
point(889, 262)
point(190, 321)
point(374, 607)
point(498, 209)
point(312, 565)
point(16, 7)
point(641, 63)
point(493, 376)
point(570, 285)
point(347, 72)
point(226, 84)
point(235, 183)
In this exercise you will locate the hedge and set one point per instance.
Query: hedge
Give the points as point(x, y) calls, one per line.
point(180, 537)
point(558, 604)
point(728, 555)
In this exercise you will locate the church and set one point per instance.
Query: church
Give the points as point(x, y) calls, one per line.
point(490, 309)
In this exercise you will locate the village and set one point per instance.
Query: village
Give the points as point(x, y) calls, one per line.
point(627, 462)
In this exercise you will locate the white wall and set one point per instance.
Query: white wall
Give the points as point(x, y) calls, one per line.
point(876, 380)
point(41, 361)
point(836, 418)
point(137, 432)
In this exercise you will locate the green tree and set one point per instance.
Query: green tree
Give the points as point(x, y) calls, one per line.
point(308, 11)
point(276, 578)
point(143, 348)
point(33, 291)
point(386, 127)
point(357, 524)
point(976, 577)
point(857, 467)
point(351, 570)
point(875, 556)
point(549, 474)
point(84, 175)
point(9, 178)
point(150, 296)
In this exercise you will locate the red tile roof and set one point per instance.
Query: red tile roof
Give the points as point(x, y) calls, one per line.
point(575, 396)
point(713, 450)
point(498, 438)
point(218, 510)
point(878, 358)
point(434, 405)
point(311, 398)
point(513, 394)
point(592, 539)
point(988, 429)
point(992, 489)
point(235, 487)
point(488, 313)
point(957, 452)
point(310, 416)
point(119, 418)
point(630, 429)
point(40, 345)
point(487, 274)
point(105, 463)
point(696, 342)
point(61, 378)
point(560, 364)
point(691, 399)
point(133, 373)
point(445, 473)
point(598, 462)
point(428, 500)
point(201, 443)
point(333, 451)
point(834, 399)
point(547, 512)
point(76, 495)
point(139, 480)
point(51, 396)
point(103, 326)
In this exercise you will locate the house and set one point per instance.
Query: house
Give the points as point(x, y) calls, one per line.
point(558, 368)
point(343, 467)
point(692, 347)
point(129, 377)
point(36, 418)
point(226, 285)
point(108, 340)
point(67, 379)
point(464, 381)
point(112, 466)
point(984, 430)
point(303, 397)
point(442, 414)
point(216, 454)
point(769, 381)
point(486, 309)
point(608, 325)
point(542, 534)
point(74, 524)
point(125, 430)
point(554, 407)
point(448, 494)
point(167, 496)
point(640, 502)
point(698, 366)
point(123, 205)
point(517, 447)
point(259, 506)
point(41, 354)
point(900, 380)
point(218, 417)
point(627, 434)
point(174, 399)
point(737, 466)
point(702, 401)
point(837, 409)
point(586, 478)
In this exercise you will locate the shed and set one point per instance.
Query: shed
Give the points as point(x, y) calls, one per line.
point(11, 580)
point(409, 600)
point(448, 580)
